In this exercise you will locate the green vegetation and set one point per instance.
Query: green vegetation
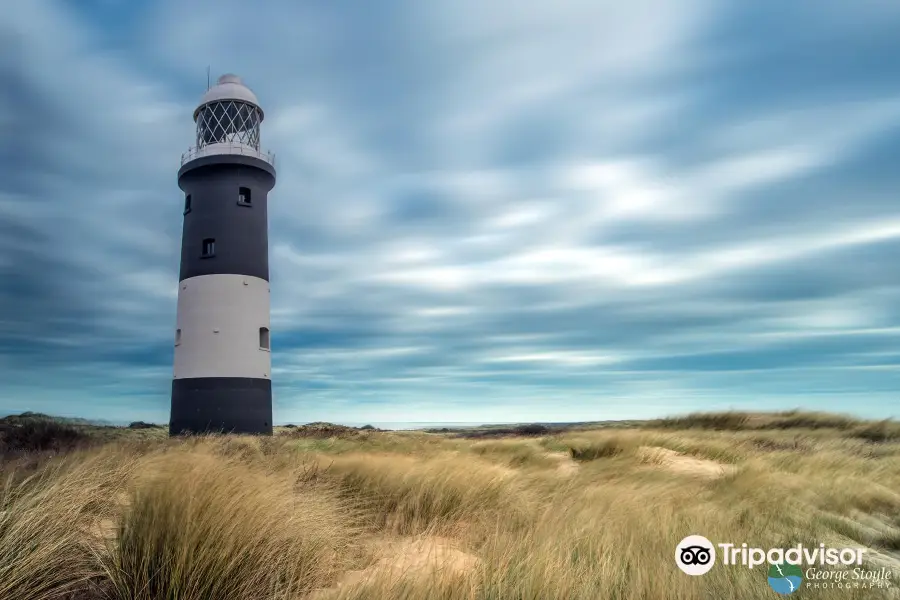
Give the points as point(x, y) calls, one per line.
point(876, 431)
point(326, 512)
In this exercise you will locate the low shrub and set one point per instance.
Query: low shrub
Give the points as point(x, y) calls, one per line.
point(40, 435)
point(878, 432)
point(584, 452)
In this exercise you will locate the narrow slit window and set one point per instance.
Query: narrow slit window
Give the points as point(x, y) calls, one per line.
point(177, 336)
point(187, 204)
point(264, 338)
point(209, 248)
point(244, 196)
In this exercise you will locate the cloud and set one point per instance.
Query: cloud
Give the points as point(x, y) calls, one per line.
point(483, 211)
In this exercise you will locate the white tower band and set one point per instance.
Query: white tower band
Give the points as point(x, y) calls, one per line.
point(222, 378)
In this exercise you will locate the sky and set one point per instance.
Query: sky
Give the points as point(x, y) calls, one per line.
point(485, 211)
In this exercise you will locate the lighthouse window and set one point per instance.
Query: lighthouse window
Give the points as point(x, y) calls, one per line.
point(177, 336)
point(264, 338)
point(187, 204)
point(244, 196)
point(209, 248)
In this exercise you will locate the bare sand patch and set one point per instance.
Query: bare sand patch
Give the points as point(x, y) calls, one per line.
point(566, 467)
point(426, 556)
point(876, 532)
point(105, 530)
point(501, 471)
point(683, 464)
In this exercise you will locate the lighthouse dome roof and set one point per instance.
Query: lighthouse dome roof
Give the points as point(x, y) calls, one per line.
point(228, 87)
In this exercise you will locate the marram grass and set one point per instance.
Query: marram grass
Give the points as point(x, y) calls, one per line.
point(591, 514)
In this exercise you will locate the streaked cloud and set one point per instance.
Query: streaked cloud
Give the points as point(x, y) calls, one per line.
point(484, 212)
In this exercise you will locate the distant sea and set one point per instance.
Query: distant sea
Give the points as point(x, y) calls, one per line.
point(395, 425)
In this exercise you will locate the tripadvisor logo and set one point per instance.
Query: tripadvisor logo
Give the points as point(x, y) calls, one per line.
point(695, 555)
point(785, 578)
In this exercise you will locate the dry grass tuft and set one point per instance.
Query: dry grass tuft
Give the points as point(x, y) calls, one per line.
point(200, 525)
point(45, 524)
point(408, 496)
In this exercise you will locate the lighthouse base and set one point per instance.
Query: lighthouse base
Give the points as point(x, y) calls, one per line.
point(221, 405)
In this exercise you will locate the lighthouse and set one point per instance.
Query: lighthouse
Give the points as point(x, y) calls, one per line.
point(222, 378)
